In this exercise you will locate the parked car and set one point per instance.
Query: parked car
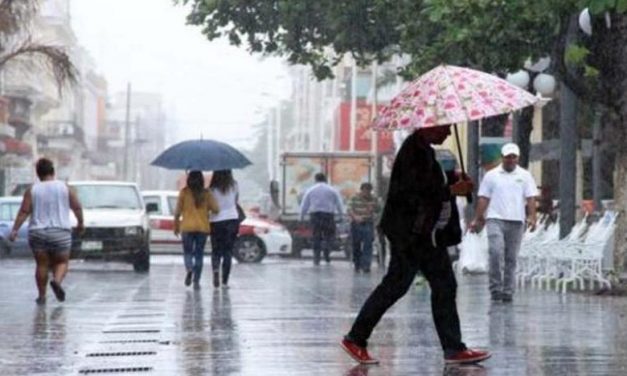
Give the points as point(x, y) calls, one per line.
point(9, 207)
point(257, 237)
point(116, 223)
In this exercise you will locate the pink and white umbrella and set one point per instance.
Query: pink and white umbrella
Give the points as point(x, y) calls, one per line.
point(449, 94)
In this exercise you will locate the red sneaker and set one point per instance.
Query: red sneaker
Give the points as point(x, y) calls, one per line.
point(467, 356)
point(358, 353)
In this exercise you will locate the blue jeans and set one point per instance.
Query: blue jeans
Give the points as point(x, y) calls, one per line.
point(363, 236)
point(194, 251)
point(223, 236)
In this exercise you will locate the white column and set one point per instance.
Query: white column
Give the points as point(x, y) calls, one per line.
point(374, 135)
point(270, 143)
point(335, 123)
point(353, 122)
point(279, 145)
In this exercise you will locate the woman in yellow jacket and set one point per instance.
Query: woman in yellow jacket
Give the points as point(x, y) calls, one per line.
point(194, 205)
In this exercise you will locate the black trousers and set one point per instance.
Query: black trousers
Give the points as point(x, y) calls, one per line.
point(417, 254)
point(323, 225)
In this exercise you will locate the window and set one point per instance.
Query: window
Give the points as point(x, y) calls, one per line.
point(154, 200)
point(99, 196)
point(8, 211)
point(172, 203)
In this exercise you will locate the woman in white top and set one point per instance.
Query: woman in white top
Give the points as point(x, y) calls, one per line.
point(48, 203)
point(224, 225)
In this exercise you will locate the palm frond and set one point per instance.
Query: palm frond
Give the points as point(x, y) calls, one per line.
point(54, 59)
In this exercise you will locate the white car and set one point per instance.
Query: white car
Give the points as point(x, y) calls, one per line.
point(257, 237)
point(116, 224)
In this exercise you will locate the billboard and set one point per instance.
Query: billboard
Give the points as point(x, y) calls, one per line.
point(363, 133)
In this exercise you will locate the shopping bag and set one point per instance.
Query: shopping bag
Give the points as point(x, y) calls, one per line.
point(474, 253)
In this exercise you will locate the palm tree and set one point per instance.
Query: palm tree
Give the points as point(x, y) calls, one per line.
point(15, 41)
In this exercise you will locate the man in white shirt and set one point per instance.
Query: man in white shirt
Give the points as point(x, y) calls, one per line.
point(505, 192)
point(322, 202)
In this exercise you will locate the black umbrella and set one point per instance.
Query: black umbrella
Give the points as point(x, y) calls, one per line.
point(202, 155)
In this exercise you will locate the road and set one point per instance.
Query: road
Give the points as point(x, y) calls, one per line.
point(285, 317)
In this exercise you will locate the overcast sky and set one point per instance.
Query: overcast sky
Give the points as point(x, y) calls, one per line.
point(208, 87)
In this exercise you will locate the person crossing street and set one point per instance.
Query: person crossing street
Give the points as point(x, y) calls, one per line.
point(363, 209)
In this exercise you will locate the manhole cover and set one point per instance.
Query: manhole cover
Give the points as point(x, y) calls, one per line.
point(142, 315)
point(132, 331)
point(132, 341)
point(89, 371)
point(121, 353)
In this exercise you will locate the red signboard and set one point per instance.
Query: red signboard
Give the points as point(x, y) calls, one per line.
point(363, 132)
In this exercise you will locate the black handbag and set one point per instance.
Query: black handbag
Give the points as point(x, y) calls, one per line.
point(241, 216)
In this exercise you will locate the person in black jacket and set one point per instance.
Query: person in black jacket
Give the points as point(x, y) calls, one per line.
point(420, 220)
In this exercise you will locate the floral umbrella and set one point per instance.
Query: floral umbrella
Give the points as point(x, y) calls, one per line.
point(449, 94)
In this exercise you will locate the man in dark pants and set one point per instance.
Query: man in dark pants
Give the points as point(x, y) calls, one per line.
point(321, 202)
point(362, 210)
point(420, 219)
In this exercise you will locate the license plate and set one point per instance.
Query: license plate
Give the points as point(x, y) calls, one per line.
point(91, 246)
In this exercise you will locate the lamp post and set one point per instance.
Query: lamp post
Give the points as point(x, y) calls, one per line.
point(533, 79)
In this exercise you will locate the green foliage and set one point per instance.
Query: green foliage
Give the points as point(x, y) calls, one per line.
point(492, 35)
point(599, 6)
point(576, 54)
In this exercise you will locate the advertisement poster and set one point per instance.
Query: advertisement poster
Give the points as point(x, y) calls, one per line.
point(347, 174)
point(299, 175)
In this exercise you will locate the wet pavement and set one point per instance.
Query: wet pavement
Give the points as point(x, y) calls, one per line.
point(285, 317)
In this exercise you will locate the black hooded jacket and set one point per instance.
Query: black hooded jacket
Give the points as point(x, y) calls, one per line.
point(415, 196)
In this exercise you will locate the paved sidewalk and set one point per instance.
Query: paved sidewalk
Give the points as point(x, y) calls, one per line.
point(286, 317)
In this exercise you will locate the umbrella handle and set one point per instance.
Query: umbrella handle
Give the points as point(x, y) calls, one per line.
point(461, 160)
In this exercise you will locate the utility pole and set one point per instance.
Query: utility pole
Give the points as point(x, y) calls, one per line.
point(472, 152)
point(568, 148)
point(568, 159)
point(597, 155)
point(127, 131)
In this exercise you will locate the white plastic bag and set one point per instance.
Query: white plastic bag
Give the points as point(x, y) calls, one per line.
point(474, 253)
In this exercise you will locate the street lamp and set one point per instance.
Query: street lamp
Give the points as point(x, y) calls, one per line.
point(544, 84)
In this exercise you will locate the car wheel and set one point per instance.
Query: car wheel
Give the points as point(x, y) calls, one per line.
point(141, 263)
point(248, 249)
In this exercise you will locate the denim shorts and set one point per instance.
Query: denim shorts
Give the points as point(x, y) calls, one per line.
point(55, 240)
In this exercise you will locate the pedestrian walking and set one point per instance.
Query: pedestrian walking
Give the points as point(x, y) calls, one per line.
point(363, 209)
point(48, 203)
point(191, 220)
point(419, 219)
point(225, 225)
point(322, 202)
point(504, 193)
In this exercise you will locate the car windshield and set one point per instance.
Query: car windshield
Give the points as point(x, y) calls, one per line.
point(108, 196)
point(8, 210)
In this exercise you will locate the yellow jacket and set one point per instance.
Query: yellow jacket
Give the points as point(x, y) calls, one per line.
point(195, 219)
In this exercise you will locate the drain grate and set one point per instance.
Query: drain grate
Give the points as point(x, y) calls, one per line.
point(120, 353)
point(142, 315)
point(89, 371)
point(132, 341)
point(132, 331)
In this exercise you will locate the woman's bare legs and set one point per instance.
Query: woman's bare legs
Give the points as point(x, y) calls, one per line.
point(41, 272)
point(60, 263)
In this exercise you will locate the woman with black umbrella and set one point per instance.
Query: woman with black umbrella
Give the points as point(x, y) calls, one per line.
point(225, 225)
point(194, 205)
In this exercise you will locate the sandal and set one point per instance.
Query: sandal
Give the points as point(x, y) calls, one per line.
point(58, 290)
